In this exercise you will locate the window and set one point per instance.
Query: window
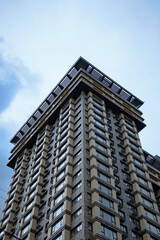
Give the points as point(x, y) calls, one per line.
point(135, 221)
point(150, 214)
point(105, 189)
point(60, 175)
point(77, 153)
point(59, 198)
point(135, 153)
point(62, 156)
point(77, 175)
point(98, 130)
point(95, 103)
point(107, 216)
point(108, 232)
point(134, 146)
point(25, 229)
point(98, 110)
point(102, 166)
point(100, 147)
point(63, 147)
point(100, 138)
point(57, 225)
point(60, 185)
point(28, 216)
point(77, 199)
point(99, 123)
point(58, 211)
point(61, 165)
point(153, 228)
point(138, 170)
point(59, 237)
point(141, 180)
point(136, 236)
point(131, 132)
point(29, 205)
point(77, 186)
point(76, 230)
point(101, 156)
point(76, 214)
point(144, 191)
point(121, 214)
point(77, 164)
point(137, 162)
point(104, 177)
point(123, 228)
point(98, 116)
point(132, 139)
point(147, 202)
point(78, 144)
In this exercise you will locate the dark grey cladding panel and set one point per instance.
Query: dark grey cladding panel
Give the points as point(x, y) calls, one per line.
point(125, 95)
point(115, 88)
point(65, 81)
point(81, 63)
point(37, 114)
point(73, 72)
point(25, 128)
point(57, 90)
point(44, 106)
point(107, 82)
point(31, 121)
point(51, 97)
point(97, 74)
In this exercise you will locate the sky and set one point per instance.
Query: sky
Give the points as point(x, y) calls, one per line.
point(40, 40)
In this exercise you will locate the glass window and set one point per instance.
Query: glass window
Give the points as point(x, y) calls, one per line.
point(77, 186)
point(59, 198)
point(57, 225)
point(28, 216)
point(100, 147)
point(105, 189)
point(153, 228)
point(29, 205)
point(104, 177)
point(136, 236)
point(60, 175)
point(99, 123)
point(77, 199)
point(101, 156)
point(58, 211)
point(108, 232)
point(123, 228)
point(98, 130)
point(60, 166)
point(77, 175)
point(76, 214)
point(147, 202)
point(76, 230)
point(25, 229)
point(150, 214)
point(62, 156)
point(138, 170)
point(137, 162)
point(100, 138)
point(107, 216)
point(102, 166)
point(143, 190)
point(60, 185)
point(77, 164)
point(141, 180)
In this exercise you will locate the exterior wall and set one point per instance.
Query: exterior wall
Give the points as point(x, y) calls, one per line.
point(84, 177)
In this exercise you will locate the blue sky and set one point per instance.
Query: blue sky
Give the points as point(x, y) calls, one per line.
point(40, 40)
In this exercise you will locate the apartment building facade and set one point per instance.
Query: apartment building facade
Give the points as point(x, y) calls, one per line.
point(79, 170)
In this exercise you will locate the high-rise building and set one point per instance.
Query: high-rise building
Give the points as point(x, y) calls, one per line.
point(79, 170)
